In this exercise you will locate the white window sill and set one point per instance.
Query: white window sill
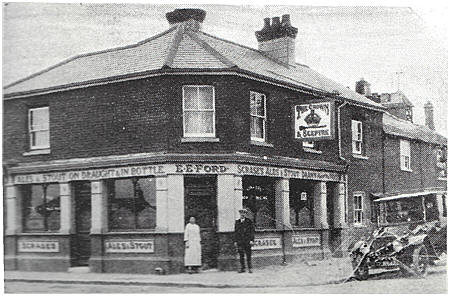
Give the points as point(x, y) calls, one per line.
point(37, 152)
point(311, 150)
point(358, 156)
point(259, 143)
point(442, 179)
point(358, 225)
point(199, 139)
point(406, 170)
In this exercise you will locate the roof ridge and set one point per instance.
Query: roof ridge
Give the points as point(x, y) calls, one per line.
point(174, 47)
point(89, 54)
point(210, 49)
point(249, 48)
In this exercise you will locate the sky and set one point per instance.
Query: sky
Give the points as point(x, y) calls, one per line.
point(345, 43)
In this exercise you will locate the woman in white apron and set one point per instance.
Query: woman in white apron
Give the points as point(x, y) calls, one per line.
point(193, 249)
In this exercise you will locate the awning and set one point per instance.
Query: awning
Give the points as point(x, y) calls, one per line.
point(406, 195)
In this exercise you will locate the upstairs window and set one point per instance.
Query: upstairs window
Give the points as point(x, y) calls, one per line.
point(441, 162)
point(405, 155)
point(357, 137)
point(198, 111)
point(38, 128)
point(258, 116)
point(358, 213)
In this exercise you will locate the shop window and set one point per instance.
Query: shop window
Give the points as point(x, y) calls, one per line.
point(41, 207)
point(132, 203)
point(301, 203)
point(405, 155)
point(358, 212)
point(357, 137)
point(259, 199)
point(258, 116)
point(38, 128)
point(198, 111)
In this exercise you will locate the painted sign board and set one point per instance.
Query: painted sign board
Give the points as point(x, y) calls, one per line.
point(130, 246)
point(188, 168)
point(306, 240)
point(314, 121)
point(32, 246)
point(265, 243)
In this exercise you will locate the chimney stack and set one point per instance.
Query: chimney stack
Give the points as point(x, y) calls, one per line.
point(278, 39)
point(192, 17)
point(363, 87)
point(429, 121)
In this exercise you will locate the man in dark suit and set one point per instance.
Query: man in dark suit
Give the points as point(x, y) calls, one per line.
point(244, 235)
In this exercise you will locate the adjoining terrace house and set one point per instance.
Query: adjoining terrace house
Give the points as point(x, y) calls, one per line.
point(414, 170)
point(109, 153)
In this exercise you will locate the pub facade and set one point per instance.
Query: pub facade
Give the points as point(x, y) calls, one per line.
point(105, 164)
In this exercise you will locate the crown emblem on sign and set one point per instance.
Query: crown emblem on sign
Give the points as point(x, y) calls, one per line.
point(312, 119)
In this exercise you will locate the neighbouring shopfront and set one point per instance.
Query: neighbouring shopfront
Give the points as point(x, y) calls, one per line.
point(132, 218)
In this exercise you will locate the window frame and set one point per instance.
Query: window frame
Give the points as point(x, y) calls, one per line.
point(30, 131)
point(405, 157)
point(361, 195)
point(213, 110)
point(264, 118)
point(359, 138)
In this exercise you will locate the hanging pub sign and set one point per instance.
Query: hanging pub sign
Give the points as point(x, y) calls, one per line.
point(314, 121)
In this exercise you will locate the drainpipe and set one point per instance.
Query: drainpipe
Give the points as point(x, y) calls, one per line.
point(339, 132)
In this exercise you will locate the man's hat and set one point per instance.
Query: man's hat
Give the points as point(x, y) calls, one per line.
point(243, 211)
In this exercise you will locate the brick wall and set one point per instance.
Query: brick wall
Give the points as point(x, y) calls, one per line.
point(146, 116)
point(424, 173)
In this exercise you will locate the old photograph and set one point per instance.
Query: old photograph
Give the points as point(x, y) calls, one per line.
point(252, 148)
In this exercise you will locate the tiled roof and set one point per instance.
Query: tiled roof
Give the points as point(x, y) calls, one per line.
point(182, 49)
point(402, 128)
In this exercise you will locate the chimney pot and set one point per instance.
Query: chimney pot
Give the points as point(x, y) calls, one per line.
point(275, 22)
point(182, 15)
point(266, 23)
point(286, 20)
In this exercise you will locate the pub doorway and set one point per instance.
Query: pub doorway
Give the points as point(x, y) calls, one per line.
point(200, 201)
point(81, 242)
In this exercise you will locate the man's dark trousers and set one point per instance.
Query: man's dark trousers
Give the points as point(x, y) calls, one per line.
point(244, 233)
point(247, 250)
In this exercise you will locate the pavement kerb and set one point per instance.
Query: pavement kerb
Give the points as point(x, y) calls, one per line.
point(163, 284)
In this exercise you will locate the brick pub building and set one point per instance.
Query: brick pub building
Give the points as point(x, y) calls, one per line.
point(108, 154)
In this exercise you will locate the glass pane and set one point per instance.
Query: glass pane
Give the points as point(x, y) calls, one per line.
point(33, 217)
point(190, 97)
point(122, 207)
point(146, 203)
point(123, 189)
point(259, 199)
point(40, 139)
point(257, 104)
point(39, 119)
point(199, 122)
point(53, 207)
point(257, 127)
point(206, 98)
